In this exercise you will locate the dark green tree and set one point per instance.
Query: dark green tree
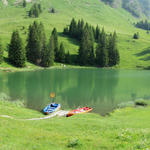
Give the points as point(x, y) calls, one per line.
point(48, 53)
point(39, 7)
point(67, 58)
point(56, 50)
point(16, 53)
point(66, 31)
point(53, 10)
point(136, 36)
point(101, 51)
point(113, 52)
point(73, 28)
point(97, 34)
point(35, 10)
point(35, 42)
point(92, 57)
point(86, 46)
point(62, 53)
point(24, 3)
point(1, 53)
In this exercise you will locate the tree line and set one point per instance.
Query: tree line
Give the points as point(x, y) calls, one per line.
point(35, 10)
point(105, 54)
point(37, 50)
point(143, 25)
point(41, 52)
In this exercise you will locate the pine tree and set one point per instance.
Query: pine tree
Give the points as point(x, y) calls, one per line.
point(16, 52)
point(1, 53)
point(73, 28)
point(48, 54)
point(56, 50)
point(62, 53)
point(35, 43)
point(39, 8)
point(67, 58)
point(94, 33)
point(116, 52)
point(97, 33)
point(136, 36)
point(35, 10)
point(101, 51)
point(110, 51)
point(53, 10)
point(24, 3)
point(66, 31)
point(92, 57)
point(113, 52)
point(86, 46)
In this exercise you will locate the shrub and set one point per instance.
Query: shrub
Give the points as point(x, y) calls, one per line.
point(136, 36)
point(73, 143)
point(141, 102)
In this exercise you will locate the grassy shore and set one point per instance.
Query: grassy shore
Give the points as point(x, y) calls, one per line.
point(126, 128)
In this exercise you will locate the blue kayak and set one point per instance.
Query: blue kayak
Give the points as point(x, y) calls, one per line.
point(51, 108)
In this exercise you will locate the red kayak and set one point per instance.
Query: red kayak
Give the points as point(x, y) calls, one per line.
point(79, 111)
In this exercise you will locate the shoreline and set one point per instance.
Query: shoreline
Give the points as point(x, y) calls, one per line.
point(62, 66)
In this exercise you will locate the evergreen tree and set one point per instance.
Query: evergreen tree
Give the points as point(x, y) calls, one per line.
point(1, 53)
point(48, 53)
point(136, 35)
point(24, 3)
point(53, 10)
point(39, 8)
point(73, 28)
point(92, 57)
point(35, 10)
point(94, 32)
point(78, 29)
point(113, 52)
point(97, 33)
point(116, 52)
point(56, 50)
point(62, 53)
point(86, 46)
point(101, 51)
point(16, 52)
point(66, 31)
point(36, 42)
point(67, 58)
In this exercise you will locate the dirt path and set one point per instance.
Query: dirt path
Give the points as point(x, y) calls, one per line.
point(60, 113)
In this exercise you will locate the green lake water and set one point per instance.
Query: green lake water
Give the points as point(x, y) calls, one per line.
point(101, 89)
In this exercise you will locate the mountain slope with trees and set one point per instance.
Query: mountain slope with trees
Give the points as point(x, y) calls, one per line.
point(133, 53)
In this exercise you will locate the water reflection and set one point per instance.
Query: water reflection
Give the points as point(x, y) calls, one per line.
point(98, 88)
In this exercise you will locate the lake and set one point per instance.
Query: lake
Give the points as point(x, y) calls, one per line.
point(102, 89)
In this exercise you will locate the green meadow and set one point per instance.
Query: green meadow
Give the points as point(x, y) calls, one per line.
point(126, 128)
point(134, 53)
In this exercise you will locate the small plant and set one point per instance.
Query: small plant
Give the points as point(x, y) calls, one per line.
point(136, 36)
point(141, 102)
point(52, 10)
point(73, 143)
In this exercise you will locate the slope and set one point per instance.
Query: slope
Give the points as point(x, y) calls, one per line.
point(134, 53)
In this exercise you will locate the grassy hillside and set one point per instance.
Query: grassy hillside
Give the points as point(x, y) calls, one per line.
point(125, 129)
point(134, 53)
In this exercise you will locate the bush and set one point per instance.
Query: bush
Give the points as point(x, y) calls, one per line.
point(73, 143)
point(142, 102)
point(136, 36)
